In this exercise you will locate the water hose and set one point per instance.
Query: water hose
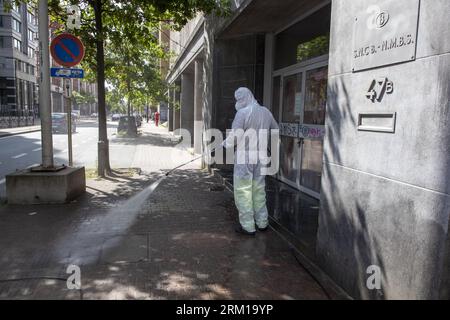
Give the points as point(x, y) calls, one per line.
point(185, 164)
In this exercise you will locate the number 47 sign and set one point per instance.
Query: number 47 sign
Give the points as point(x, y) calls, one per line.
point(378, 89)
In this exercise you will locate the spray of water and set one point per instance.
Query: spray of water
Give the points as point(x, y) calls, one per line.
point(135, 203)
point(103, 231)
point(126, 213)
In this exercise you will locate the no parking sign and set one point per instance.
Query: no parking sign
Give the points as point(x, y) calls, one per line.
point(67, 50)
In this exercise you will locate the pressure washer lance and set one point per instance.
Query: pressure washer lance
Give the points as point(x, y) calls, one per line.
point(185, 164)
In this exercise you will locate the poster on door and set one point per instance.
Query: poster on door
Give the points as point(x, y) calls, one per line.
point(298, 104)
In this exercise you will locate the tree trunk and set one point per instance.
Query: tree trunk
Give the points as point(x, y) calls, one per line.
point(103, 165)
point(129, 98)
point(129, 88)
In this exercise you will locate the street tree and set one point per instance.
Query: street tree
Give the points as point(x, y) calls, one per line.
point(114, 101)
point(110, 22)
point(134, 70)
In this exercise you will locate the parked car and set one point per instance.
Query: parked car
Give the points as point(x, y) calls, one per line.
point(127, 125)
point(115, 117)
point(94, 115)
point(60, 123)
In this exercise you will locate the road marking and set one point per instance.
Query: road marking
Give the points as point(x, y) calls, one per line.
point(2, 181)
point(33, 165)
point(37, 149)
point(19, 156)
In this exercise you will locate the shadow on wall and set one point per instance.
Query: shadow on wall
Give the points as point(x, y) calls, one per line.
point(365, 222)
point(445, 120)
point(348, 229)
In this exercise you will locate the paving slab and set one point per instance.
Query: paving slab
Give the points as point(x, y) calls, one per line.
point(175, 243)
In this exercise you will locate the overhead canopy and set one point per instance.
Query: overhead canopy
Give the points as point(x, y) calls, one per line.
point(262, 16)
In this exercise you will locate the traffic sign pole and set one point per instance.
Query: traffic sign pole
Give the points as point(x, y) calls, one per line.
point(67, 51)
point(69, 120)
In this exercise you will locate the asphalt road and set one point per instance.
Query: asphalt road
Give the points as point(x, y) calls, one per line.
point(24, 150)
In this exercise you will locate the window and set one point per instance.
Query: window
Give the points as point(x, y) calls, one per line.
point(1, 21)
point(17, 44)
point(31, 18)
point(31, 53)
point(15, 7)
point(316, 96)
point(292, 98)
point(305, 40)
point(31, 35)
point(5, 42)
point(16, 25)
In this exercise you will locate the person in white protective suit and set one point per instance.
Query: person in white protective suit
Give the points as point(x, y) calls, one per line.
point(251, 126)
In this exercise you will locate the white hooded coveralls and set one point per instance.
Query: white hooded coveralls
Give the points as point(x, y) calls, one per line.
point(249, 184)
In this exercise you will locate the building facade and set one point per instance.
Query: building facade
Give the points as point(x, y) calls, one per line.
point(362, 94)
point(18, 66)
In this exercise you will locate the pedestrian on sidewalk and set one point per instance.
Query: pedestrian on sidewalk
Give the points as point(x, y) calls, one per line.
point(248, 181)
point(156, 118)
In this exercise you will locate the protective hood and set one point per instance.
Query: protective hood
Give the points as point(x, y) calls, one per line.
point(244, 98)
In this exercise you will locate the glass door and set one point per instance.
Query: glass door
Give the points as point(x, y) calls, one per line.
point(291, 114)
point(312, 129)
point(302, 95)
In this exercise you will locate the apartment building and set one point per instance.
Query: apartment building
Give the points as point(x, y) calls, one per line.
point(18, 65)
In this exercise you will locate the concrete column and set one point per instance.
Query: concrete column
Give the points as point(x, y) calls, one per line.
point(176, 112)
point(170, 111)
point(198, 106)
point(187, 103)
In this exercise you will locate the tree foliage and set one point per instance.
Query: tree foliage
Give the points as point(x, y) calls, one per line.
point(313, 48)
point(114, 101)
point(133, 24)
point(83, 97)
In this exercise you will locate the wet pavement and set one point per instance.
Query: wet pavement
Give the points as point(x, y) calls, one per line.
point(295, 213)
point(180, 244)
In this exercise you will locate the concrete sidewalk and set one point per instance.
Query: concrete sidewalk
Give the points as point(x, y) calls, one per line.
point(179, 244)
point(5, 132)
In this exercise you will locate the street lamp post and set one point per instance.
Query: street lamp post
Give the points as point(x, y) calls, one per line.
point(44, 87)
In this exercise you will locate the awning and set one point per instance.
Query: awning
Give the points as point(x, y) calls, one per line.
point(263, 16)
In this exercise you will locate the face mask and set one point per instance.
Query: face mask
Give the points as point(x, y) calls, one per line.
point(244, 98)
point(240, 104)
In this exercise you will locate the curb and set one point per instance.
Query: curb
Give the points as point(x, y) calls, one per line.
point(3, 135)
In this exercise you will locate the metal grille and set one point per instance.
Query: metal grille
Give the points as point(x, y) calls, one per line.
point(12, 118)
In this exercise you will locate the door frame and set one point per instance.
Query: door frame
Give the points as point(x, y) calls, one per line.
point(302, 68)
